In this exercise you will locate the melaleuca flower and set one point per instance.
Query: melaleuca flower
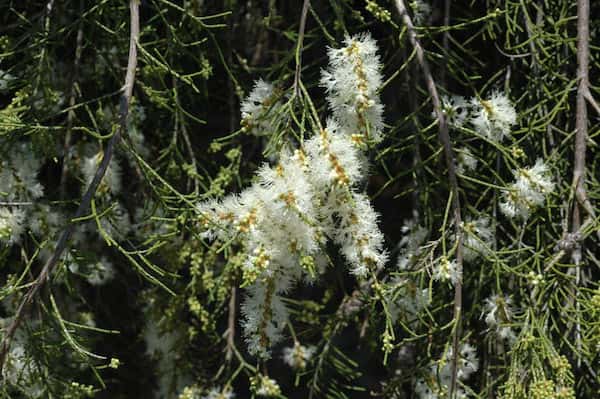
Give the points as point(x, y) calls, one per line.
point(18, 174)
point(351, 81)
point(498, 314)
point(468, 363)
point(421, 11)
point(259, 109)
point(436, 383)
point(5, 80)
point(335, 160)
point(466, 161)
point(406, 299)
point(455, 109)
point(285, 218)
point(96, 273)
point(410, 244)
point(265, 316)
point(111, 182)
point(12, 225)
point(218, 393)
point(529, 190)
point(358, 235)
point(265, 386)
point(446, 270)
point(477, 238)
point(298, 355)
point(493, 117)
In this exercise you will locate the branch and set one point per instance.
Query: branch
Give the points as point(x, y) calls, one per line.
point(299, 47)
point(62, 243)
point(444, 137)
point(579, 168)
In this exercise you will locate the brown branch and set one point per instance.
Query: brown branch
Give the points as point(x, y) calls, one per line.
point(579, 168)
point(444, 137)
point(62, 243)
point(231, 325)
point(299, 47)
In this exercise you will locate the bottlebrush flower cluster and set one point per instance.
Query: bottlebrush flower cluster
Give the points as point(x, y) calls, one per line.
point(310, 197)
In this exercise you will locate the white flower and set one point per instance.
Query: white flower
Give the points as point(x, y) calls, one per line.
point(446, 270)
point(18, 174)
point(351, 81)
point(529, 190)
point(497, 313)
point(100, 272)
point(359, 236)
point(421, 11)
point(12, 225)
point(468, 363)
point(410, 244)
point(265, 316)
point(456, 110)
point(406, 300)
point(218, 393)
point(259, 109)
point(298, 356)
point(334, 159)
point(477, 239)
point(5, 80)
point(111, 182)
point(267, 387)
point(466, 161)
point(494, 117)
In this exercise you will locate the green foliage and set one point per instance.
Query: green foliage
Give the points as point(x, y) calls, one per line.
point(144, 303)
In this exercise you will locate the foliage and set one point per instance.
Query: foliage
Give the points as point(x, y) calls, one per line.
point(268, 231)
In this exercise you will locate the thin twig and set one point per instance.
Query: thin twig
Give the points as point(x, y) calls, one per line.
point(299, 47)
point(62, 243)
point(231, 325)
point(72, 96)
point(444, 137)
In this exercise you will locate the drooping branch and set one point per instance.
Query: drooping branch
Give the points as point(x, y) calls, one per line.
point(83, 207)
point(581, 202)
point(300, 46)
point(444, 137)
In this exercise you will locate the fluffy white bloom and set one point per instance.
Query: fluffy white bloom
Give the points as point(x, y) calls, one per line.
point(100, 272)
point(265, 315)
point(529, 190)
point(436, 383)
point(498, 313)
point(456, 110)
point(267, 387)
point(410, 244)
point(5, 80)
point(45, 221)
point(493, 117)
point(259, 109)
point(116, 221)
point(111, 182)
point(478, 238)
point(466, 161)
point(333, 158)
point(218, 393)
point(298, 355)
point(446, 270)
point(285, 218)
point(18, 174)
point(351, 81)
point(12, 225)
point(406, 300)
point(358, 235)
point(421, 11)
